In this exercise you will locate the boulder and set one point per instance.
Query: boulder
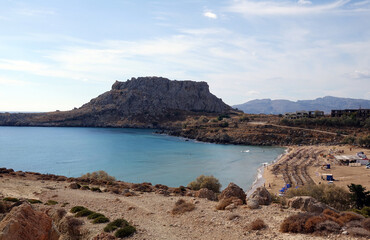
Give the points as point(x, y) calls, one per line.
point(25, 223)
point(262, 196)
point(253, 203)
point(308, 204)
point(233, 190)
point(206, 193)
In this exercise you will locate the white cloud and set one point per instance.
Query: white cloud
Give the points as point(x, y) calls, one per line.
point(362, 3)
point(34, 12)
point(304, 2)
point(210, 14)
point(266, 8)
point(12, 82)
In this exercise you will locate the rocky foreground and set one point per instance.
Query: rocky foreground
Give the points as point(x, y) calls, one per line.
point(153, 210)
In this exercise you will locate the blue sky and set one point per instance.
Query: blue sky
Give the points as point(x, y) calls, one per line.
point(59, 54)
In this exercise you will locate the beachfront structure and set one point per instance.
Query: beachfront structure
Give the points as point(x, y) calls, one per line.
point(361, 113)
point(348, 159)
point(304, 114)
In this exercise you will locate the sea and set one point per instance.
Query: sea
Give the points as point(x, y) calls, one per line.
point(131, 155)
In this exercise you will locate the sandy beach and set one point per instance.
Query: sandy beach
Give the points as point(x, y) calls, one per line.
point(304, 165)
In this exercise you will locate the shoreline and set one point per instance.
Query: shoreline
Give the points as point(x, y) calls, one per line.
point(259, 179)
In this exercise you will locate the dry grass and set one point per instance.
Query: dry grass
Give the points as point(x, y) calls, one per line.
point(257, 224)
point(181, 206)
point(99, 175)
point(295, 223)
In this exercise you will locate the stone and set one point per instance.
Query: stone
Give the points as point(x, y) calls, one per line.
point(25, 223)
point(233, 190)
point(262, 196)
point(74, 186)
point(308, 204)
point(253, 203)
point(104, 236)
point(206, 193)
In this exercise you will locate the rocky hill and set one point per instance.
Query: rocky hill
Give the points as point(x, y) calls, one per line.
point(142, 102)
point(326, 104)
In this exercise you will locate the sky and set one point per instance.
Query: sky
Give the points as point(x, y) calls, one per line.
point(59, 54)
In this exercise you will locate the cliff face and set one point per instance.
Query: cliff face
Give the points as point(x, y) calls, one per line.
point(145, 101)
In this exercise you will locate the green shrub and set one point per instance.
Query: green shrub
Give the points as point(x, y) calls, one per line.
point(11, 199)
point(33, 201)
point(359, 195)
point(95, 215)
point(51, 202)
point(209, 182)
point(334, 196)
point(99, 175)
point(77, 209)
point(101, 219)
point(125, 231)
point(118, 223)
point(84, 213)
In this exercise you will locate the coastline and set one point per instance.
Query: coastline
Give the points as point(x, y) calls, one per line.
point(260, 180)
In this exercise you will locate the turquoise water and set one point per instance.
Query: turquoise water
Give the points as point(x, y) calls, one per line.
point(132, 155)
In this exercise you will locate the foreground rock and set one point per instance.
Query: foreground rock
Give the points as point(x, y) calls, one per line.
point(206, 193)
point(262, 196)
point(233, 190)
point(24, 223)
point(308, 204)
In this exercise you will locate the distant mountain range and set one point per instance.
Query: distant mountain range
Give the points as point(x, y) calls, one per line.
point(281, 106)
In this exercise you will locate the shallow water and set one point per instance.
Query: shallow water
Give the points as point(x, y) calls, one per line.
point(132, 155)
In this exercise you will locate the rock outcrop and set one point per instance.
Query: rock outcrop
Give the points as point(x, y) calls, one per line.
point(24, 223)
point(139, 102)
point(233, 190)
point(262, 196)
point(308, 204)
point(206, 193)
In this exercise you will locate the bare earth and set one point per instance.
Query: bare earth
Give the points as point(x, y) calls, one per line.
point(150, 213)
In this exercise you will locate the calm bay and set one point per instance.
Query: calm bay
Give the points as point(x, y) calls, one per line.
point(132, 155)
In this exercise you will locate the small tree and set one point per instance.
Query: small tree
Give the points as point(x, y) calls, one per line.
point(209, 182)
point(359, 195)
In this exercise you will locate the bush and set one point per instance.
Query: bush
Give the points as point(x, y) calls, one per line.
point(125, 231)
point(85, 187)
point(77, 209)
point(71, 226)
point(331, 195)
point(101, 219)
point(33, 201)
point(11, 199)
point(118, 223)
point(84, 213)
point(359, 195)
point(328, 227)
point(51, 202)
point(95, 215)
point(209, 182)
point(257, 224)
point(295, 223)
point(95, 189)
point(99, 175)
point(181, 206)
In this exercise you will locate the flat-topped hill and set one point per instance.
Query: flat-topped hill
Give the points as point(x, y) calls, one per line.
point(143, 101)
